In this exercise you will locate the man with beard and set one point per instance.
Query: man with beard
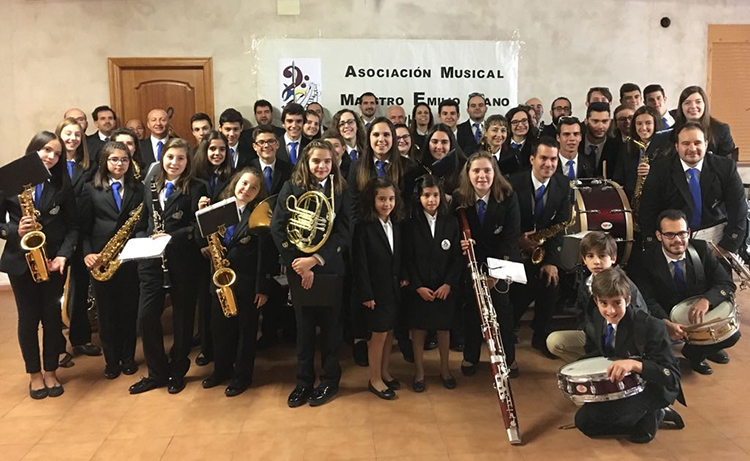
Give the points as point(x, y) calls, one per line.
point(368, 106)
point(561, 107)
point(106, 121)
point(597, 144)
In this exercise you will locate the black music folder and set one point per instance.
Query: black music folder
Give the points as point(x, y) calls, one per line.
point(326, 290)
point(224, 213)
point(27, 170)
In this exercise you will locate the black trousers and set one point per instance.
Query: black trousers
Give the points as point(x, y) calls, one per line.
point(38, 302)
point(205, 296)
point(545, 299)
point(619, 417)
point(79, 332)
point(235, 338)
point(117, 306)
point(183, 274)
point(472, 324)
point(276, 313)
point(699, 352)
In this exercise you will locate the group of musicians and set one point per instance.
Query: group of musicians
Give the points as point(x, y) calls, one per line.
point(364, 230)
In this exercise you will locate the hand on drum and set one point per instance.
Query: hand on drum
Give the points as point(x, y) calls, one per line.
point(698, 311)
point(527, 245)
point(465, 244)
point(675, 330)
point(643, 169)
point(620, 368)
point(549, 273)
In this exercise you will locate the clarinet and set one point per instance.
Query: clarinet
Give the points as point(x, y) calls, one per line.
point(159, 229)
point(491, 333)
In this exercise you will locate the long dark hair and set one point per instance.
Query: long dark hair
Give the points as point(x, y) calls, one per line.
point(202, 167)
point(366, 163)
point(101, 177)
point(228, 191)
point(59, 175)
point(451, 180)
point(413, 149)
point(422, 183)
point(183, 182)
point(303, 177)
point(361, 135)
point(137, 156)
point(368, 199)
point(706, 120)
point(413, 122)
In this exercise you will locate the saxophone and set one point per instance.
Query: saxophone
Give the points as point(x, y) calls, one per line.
point(541, 236)
point(635, 202)
point(223, 276)
point(33, 242)
point(109, 262)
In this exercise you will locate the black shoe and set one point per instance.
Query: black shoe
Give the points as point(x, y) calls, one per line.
point(145, 385)
point(459, 347)
point(235, 388)
point(513, 373)
point(430, 343)
point(299, 396)
point(541, 346)
point(387, 394)
point(38, 394)
point(88, 349)
point(393, 384)
point(196, 341)
point(645, 431)
point(175, 385)
point(671, 416)
point(468, 370)
point(406, 350)
point(449, 383)
point(202, 360)
point(721, 357)
point(359, 350)
point(66, 361)
point(55, 391)
point(418, 386)
point(322, 395)
point(701, 367)
point(111, 372)
point(129, 367)
point(212, 381)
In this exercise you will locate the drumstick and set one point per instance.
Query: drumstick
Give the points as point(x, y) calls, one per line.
point(604, 169)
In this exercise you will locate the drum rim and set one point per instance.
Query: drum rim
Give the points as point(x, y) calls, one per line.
point(591, 398)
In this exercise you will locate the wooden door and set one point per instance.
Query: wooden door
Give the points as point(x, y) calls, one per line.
point(181, 86)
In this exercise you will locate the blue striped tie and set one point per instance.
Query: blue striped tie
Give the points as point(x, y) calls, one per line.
point(539, 203)
point(477, 133)
point(695, 190)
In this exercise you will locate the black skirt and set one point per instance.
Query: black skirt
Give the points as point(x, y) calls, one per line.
point(381, 319)
point(431, 315)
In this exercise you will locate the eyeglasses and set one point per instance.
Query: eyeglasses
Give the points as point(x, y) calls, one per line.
point(264, 143)
point(563, 109)
point(351, 121)
point(524, 121)
point(118, 160)
point(403, 137)
point(671, 235)
point(472, 95)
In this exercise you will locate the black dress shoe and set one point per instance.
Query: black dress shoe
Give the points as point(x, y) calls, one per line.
point(701, 367)
point(645, 430)
point(66, 361)
point(387, 394)
point(418, 386)
point(129, 367)
point(468, 370)
point(212, 381)
point(175, 385)
point(407, 350)
point(235, 388)
point(299, 396)
point(203, 360)
point(458, 347)
point(721, 357)
point(671, 416)
point(145, 385)
point(322, 395)
point(359, 350)
point(38, 394)
point(55, 391)
point(88, 349)
point(111, 372)
point(513, 373)
point(394, 384)
point(449, 383)
point(430, 343)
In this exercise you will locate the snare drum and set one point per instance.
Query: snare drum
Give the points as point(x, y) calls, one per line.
point(719, 324)
point(586, 381)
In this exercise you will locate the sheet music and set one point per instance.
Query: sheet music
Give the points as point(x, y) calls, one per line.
point(502, 270)
point(711, 234)
point(144, 248)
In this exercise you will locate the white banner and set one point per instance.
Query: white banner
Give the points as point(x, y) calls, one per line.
point(335, 72)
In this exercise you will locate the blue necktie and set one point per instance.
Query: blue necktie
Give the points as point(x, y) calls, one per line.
point(170, 189)
point(116, 194)
point(608, 337)
point(694, 184)
point(367, 125)
point(231, 156)
point(679, 278)
point(269, 180)
point(159, 146)
point(516, 145)
point(38, 194)
point(71, 165)
point(481, 209)
point(664, 122)
point(477, 133)
point(212, 182)
point(380, 167)
point(293, 152)
point(571, 170)
point(229, 234)
point(353, 154)
point(539, 203)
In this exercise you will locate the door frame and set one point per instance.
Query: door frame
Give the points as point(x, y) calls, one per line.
point(116, 65)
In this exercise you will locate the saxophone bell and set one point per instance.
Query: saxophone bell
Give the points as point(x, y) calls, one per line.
point(33, 242)
point(223, 277)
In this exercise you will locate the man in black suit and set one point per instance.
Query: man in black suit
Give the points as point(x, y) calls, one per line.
point(679, 269)
point(470, 131)
point(106, 121)
point(543, 199)
point(654, 97)
point(151, 147)
point(448, 113)
point(240, 153)
point(630, 95)
point(561, 107)
point(707, 188)
point(597, 144)
point(292, 142)
point(264, 116)
point(200, 125)
point(571, 164)
point(368, 107)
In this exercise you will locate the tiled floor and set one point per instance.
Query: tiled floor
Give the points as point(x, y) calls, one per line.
point(97, 419)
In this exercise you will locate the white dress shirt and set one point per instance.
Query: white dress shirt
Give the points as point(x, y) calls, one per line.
point(431, 221)
point(388, 228)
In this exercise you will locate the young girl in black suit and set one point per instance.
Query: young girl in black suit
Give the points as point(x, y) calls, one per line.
point(130, 139)
point(175, 195)
point(492, 211)
point(315, 171)
point(214, 166)
point(106, 204)
point(55, 202)
point(432, 257)
point(249, 257)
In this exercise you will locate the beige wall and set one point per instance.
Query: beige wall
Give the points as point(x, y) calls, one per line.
point(54, 52)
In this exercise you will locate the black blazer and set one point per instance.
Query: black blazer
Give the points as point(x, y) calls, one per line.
point(346, 165)
point(94, 145)
point(282, 171)
point(645, 338)
point(514, 160)
point(100, 218)
point(498, 236)
point(409, 173)
point(557, 209)
point(657, 284)
point(609, 154)
point(465, 136)
point(378, 270)
point(723, 197)
point(585, 305)
point(58, 216)
point(147, 152)
point(338, 241)
point(721, 144)
point(626, 173)
point(586, 167)
point(80, 177)
point(283, 154)
point(245, 154)
point(428, 262)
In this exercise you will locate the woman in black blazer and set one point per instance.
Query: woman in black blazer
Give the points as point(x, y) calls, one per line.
point(438, 144)
point(693, 107)
point(55, 202)
point(106, 204)
point(212, 165)
point(518, 145)
point(646, 122)
point(80, 171)
point(250, 256)
point(175, 193)
point(315, 170)
point(432, 256)
point(495, 227)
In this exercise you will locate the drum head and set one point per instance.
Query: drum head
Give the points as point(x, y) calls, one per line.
point(586, 367)
point(680, 312)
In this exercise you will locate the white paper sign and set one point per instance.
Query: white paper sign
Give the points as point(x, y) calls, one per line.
point(144, 248)
point(506, 270)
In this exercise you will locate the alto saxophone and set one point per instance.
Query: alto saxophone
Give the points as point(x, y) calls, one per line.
point(541, 236)
point(109, 261)
point(635, 202)
point(223, 276)
point(34, 241)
